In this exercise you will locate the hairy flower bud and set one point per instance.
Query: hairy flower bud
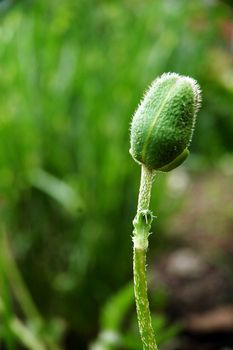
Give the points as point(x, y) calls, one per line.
point(163, 124)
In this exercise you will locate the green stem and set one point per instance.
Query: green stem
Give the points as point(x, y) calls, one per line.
point(147, 177)
point(142, 224)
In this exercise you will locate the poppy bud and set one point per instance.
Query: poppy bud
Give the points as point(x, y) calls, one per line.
point(163, 124)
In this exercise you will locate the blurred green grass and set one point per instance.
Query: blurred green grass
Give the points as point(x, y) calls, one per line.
point(72, 74)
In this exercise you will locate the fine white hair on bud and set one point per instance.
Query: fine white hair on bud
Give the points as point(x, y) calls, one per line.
point(163, 124)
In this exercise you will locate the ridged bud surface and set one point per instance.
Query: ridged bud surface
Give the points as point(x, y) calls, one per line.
point(163, 124)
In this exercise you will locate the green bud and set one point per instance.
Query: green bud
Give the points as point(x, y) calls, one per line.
point(162, 126)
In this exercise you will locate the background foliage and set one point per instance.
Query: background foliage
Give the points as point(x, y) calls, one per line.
point(71, 75)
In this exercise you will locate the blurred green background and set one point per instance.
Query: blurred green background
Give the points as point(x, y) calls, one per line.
point(71, 75)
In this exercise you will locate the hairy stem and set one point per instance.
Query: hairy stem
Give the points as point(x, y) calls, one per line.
point(142, 224)
point(147, 177)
